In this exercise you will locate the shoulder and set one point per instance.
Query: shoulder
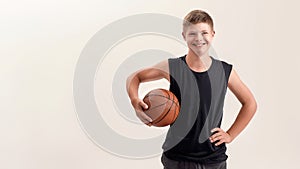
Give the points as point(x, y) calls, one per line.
point(224, 63)
point(239, 88)
point(226, 66)
point(176, 61)
point(165, 64)
point(162, 66)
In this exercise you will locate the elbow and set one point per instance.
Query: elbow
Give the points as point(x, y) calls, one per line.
point(132, 80)
point(254, 105)
point(251, 104)
point(128, 82)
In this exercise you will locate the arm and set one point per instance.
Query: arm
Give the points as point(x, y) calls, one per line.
point(248, 102)
point(248, 109)
point(156, 72)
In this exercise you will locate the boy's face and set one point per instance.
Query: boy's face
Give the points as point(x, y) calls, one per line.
point(199, 38)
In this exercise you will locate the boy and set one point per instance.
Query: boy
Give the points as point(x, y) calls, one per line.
point(195, 139)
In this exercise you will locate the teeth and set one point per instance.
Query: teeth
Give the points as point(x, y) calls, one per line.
point(198, 44)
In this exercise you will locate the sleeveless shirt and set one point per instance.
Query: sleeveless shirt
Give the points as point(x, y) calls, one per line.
point(201, 96)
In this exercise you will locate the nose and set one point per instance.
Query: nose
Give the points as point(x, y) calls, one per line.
point(199, 36)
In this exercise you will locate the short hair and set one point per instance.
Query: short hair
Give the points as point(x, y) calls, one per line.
point(197, 16)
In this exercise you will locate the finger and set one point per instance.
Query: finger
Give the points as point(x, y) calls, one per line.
point(141, 118)
point(145, 117)
point(144, 105)
point(149, 124)
point(216, 135)
point(146, 122)
point(216, 130)
point(217, 138)
point(220, 142)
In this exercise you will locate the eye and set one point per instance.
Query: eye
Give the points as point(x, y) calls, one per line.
point(192, 33)
point(204, 32)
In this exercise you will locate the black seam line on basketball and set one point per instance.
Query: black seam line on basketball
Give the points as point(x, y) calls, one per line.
point(159, 118)
point(156, 95)
point(157, 106)
point(172, 105)
point(174, 100)
point(174, 114)
point(164, 115)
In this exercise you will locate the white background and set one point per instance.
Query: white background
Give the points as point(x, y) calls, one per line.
point(42, 40)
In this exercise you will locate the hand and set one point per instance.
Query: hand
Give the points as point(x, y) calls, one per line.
point(220, 137)
point(139, 107)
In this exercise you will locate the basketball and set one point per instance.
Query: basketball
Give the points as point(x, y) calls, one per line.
point(163, 107)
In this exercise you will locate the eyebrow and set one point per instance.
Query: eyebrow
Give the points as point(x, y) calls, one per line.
point(200, 31)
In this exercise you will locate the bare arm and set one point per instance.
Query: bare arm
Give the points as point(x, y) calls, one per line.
point(248, 109)
point(156, 72)
point(249, 105)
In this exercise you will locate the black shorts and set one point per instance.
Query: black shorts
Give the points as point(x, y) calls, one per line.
point(172, 164)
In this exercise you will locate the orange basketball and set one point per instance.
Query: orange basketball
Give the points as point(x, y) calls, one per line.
point(163, 107)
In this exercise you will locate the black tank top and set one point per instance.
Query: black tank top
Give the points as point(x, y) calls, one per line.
point(189, 148)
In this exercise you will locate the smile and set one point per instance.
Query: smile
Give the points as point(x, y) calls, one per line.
point(198, 44)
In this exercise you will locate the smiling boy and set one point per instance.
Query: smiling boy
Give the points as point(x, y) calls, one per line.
point(200, 81)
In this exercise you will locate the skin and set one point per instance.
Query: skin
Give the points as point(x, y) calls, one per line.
point(198, 38)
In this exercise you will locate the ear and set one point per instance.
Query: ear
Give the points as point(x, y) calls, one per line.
point(213, 33)
point(183, 35)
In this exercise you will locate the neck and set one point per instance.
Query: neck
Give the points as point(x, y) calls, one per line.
point(198, 63)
